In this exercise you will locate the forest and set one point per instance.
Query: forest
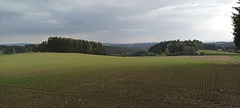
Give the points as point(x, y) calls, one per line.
point(60, 44)
point(57, 44)
point(177, 47)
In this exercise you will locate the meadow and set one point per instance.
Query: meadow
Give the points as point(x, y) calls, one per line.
point(213, 52)
point(81, 80)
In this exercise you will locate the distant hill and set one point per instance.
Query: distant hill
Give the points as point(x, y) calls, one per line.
point(18, 44)
point(133, 46)
point(225, 46)
point(221, 43)
point(120, 51)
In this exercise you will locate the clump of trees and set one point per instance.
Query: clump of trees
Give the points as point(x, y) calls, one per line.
point(177, 47)
point(60, 44)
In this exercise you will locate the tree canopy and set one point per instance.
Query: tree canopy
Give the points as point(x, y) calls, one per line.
point(236, 25)
point(59, 44)
point(177, 47)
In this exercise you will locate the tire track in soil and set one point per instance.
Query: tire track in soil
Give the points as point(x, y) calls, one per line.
point(218, 96)
point(214, 96)
point(33, 89)
point(213, 79)
point(150, 98)
point(49, 91)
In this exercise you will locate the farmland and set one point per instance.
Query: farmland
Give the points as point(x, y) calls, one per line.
point(212, 52)
point(71, 79)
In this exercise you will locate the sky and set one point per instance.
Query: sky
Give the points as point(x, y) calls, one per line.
point(116, 21)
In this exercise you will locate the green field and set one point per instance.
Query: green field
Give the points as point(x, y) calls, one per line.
point(213, 52)
point(80, 80)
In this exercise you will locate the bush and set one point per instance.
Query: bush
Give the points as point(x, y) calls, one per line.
point(202, 53)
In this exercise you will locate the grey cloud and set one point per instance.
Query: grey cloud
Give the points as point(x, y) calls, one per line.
point(107, 20)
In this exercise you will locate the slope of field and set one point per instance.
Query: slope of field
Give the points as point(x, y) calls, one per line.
point(79, 80)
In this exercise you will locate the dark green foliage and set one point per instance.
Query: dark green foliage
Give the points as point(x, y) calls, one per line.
point(59, 44)
point(160, 52)
point(236, 25)
point(158, 47)
point(43, 47)
point(15, 49)
point(225, 46)
point(189, 50)
point(202, 53)
point(139, 53)
point(176, 47)
point(210, 46)
point(22, 49)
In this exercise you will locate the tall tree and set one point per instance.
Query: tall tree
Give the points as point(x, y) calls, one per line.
point(166, 51)
point(236, 25)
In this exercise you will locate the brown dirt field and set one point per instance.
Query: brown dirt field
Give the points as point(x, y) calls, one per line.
point(220, 58)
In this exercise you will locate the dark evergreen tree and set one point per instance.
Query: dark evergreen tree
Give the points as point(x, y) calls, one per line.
point(236, 25)
point(59, 44)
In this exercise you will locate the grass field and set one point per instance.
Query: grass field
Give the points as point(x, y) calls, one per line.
point(212, 52)
point(80, 80)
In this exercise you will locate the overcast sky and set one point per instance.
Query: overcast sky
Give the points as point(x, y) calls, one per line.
point(116, 21)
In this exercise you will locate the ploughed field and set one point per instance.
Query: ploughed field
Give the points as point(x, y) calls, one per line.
point(80, 80)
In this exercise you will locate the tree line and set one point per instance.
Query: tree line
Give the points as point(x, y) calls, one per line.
point(61, 44)
point(227, 47)
point(120, 51)
point(15, 49)
point(177, 47)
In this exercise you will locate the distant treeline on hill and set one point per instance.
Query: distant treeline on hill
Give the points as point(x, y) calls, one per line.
point(177, 47)
point(120, 51)
point(224, 46)
point(60, 44)
point(174, 47)
point(15, 49)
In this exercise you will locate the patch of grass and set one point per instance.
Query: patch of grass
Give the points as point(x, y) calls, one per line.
point(212, 52)
point(81, 80)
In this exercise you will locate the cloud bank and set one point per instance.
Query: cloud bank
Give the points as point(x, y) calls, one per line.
point(121, 21)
